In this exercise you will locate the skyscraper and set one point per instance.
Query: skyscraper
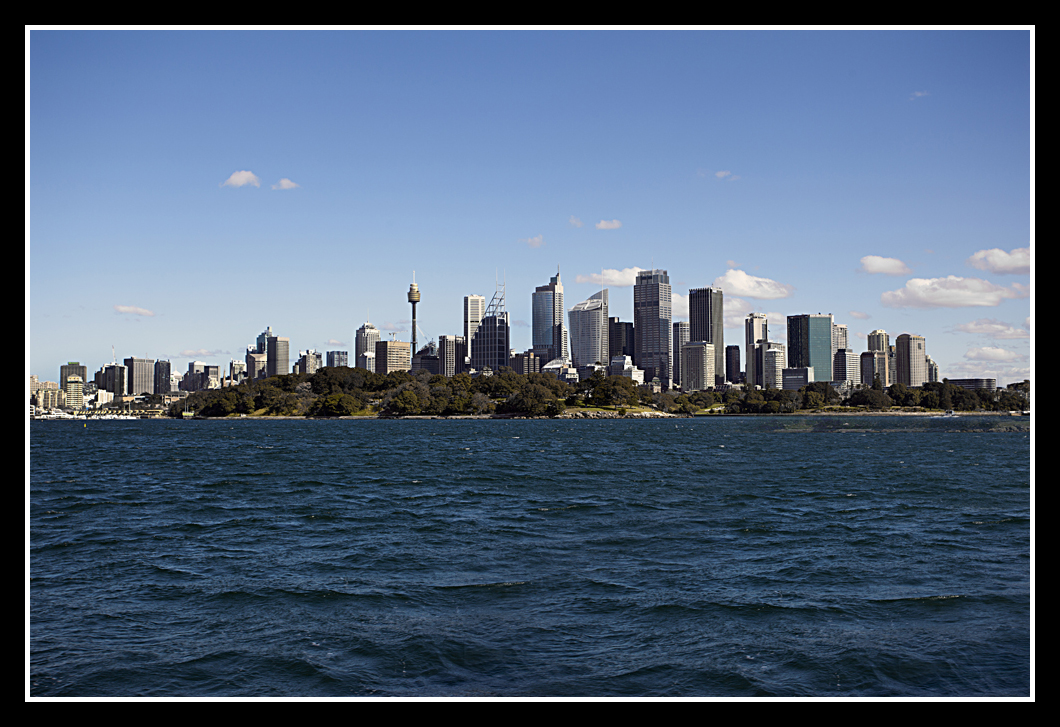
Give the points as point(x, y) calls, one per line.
point(619, 338)
point(474, 309)
point(697, 366)
point(652, 318)
point(491, 344)
point(732, 363)
point(756, 328)
point(549, 333)
point(706, 322)
point(810, 344)
point(278, 356)
point(141, 375)
point(589, 331)
point(364, 346)
point(911, 353)
point(72, 368)
point(338, 359)
point(162, 376)
point(452, 350)
point(681, 329)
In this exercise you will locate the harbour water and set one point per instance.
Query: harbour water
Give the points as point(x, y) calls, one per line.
point(728, 557)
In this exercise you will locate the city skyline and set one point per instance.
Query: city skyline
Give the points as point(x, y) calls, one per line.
point(187, 189)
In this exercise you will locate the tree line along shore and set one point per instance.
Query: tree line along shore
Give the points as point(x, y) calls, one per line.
point(346, 392)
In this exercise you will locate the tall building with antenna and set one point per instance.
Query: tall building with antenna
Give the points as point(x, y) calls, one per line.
point(491, 345)
point(549, 333)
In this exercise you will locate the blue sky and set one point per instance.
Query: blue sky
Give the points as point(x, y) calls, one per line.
point(188, 188)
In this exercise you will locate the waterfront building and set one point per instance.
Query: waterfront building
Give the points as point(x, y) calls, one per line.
point(912, 359)
point(619, 338)
point(51, 398)
point(680, 338)
point(115, 377)
point(364, 346)
point(796, 378)
point(474, 310)
point(589, 330)
point(491, 344)
point(706, 321)
point(652, 321)
point(525, 363)
point(309, 362)
point(732, 363)
point(623, 366)
point(338, 359)
point(426, 359)
point(392, 356)
point(72, 368)
point(773, 357)
point(873, 364)
point(452, 350)
point(162, 376)
point(278, 356)
point(973, 384)
point(810, 344)
point(932, 369)
point(756, 329)
point(697, 366)
point(846, 366)
point(839, 336)
point(550, 338)
point(878, 340)
point(237, 371)
point(141, 375)
point(257, 364)
point(74, 395)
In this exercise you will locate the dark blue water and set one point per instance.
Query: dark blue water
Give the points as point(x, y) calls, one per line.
point(867, 556)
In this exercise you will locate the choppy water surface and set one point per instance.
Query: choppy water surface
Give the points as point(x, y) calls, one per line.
point(773, 556)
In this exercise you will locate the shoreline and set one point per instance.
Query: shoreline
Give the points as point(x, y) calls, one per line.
point(596, 414)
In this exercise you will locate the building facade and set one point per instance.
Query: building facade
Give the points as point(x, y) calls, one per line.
point(810, 344)
point(589, 330)
point(911, 355)
point(364, 346)
point(392, 356)
point(706, 320)
point(697, 366)
point(474, 310)
point(491, 344)
point(680, 338)
point(652, 325)
point(756, 329)
point(550, 338)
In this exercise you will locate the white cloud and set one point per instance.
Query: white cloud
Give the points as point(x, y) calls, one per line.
point(950, 292)
point(609, 277)
point(395, 327)
point(723, 174)
point(736, 311)
point(241, 179)
point(996, 260)
point(199, 353)
point(884, 265)
point(605, 225)
point(679, 305)
point(575, 222)
point(133, 310)
point(537, 241)
point(918, 94)
point(992, 353)
point(285, 183)
point(333, 342)
point(993, 328)
point(737, 282)
point(858, 315)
